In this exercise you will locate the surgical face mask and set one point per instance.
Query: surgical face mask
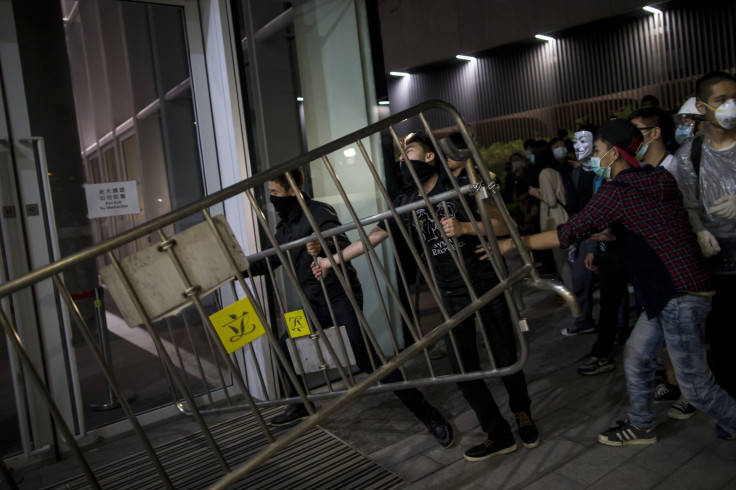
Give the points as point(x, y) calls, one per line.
point(682, 133)
point(583, 144)
point(726, 114)
point(643, 148)
point(516, 164)
point(528, 154)
point(595, 166)
point(423, 169)
point(560, 152)
point(532, 159)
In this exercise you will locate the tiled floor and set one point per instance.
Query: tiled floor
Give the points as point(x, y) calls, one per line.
point(570, 410)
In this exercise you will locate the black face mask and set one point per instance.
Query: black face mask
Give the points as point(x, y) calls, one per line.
point(284, 205)
point(424, 171)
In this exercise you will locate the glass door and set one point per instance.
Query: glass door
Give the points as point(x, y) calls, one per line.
point(138, 97)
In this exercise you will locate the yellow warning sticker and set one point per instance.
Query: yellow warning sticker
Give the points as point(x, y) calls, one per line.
point(237, 325)
point(297, 323)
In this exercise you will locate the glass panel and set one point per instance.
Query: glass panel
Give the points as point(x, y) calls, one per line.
point(131, 82)
point(10, 441)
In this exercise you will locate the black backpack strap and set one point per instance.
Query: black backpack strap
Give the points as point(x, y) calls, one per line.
point(696, 153)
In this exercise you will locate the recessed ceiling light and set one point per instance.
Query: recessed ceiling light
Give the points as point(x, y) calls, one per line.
point(544, 38)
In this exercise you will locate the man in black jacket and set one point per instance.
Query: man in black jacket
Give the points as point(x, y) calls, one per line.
point(293, 224)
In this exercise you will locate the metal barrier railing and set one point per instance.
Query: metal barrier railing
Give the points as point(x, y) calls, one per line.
point(189, 270)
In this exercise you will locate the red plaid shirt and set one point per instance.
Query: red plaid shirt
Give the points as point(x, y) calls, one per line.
point(644, 207)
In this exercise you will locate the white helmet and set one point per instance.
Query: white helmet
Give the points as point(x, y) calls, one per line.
point(689, 107)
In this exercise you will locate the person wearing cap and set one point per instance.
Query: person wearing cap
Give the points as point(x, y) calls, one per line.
point(642, 208)
point(496, 317)
point(706, 174)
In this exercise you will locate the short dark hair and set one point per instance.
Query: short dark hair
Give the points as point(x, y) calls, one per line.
point(296, 174)
point(422, 138)
point(656, 117)
point(649, 99)
point(704, 85)
point(517, 154)
point(587, 127)
point(555, 140)
point(529, 142)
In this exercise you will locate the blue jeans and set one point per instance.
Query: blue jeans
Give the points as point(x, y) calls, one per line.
point(679, 326)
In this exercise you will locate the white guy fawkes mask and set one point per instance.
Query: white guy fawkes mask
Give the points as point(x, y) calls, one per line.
point(583, 145)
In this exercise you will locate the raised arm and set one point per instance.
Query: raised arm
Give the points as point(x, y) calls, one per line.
point(355, 249)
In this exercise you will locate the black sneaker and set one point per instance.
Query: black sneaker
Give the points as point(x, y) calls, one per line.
point(439, 427)
point(293, 414)
point(626, 433)
point(528, 432)
point(665, 392)
point(488, 448)
point(596, 365)
point(681, 410)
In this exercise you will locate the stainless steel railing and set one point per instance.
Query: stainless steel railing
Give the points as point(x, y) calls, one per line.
point(250, 377)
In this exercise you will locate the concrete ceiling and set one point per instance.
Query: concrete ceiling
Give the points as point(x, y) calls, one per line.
point(420, 32)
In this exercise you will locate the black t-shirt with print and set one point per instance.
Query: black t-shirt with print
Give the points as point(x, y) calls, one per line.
point(448, 274)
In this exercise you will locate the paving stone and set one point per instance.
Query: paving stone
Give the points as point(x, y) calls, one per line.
point(416, 468)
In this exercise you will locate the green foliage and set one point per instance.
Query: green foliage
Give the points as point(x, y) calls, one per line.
point(497, 154)
point(625, 112)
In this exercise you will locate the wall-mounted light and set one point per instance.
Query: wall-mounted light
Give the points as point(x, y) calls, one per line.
point(383, 102)
point(350, 152)
point(398, 74)
point(545, 38)
point(300, 99)
point(652, 10)
point(465, 58)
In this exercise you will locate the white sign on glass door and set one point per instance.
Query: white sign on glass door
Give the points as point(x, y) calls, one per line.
point(112, 199)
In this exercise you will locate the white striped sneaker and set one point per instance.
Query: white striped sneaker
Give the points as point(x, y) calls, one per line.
point(626, 433)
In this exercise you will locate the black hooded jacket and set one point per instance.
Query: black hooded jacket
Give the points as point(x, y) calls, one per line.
point(295, 226)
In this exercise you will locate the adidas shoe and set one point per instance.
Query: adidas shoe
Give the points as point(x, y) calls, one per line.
point(625, 434)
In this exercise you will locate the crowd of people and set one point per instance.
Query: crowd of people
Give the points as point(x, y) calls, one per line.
point(646, 203)
point(650, 205)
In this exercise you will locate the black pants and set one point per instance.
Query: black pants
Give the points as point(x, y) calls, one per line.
point(499, 329)
point(721, 332)
point(614, 275)
point(345, 315)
